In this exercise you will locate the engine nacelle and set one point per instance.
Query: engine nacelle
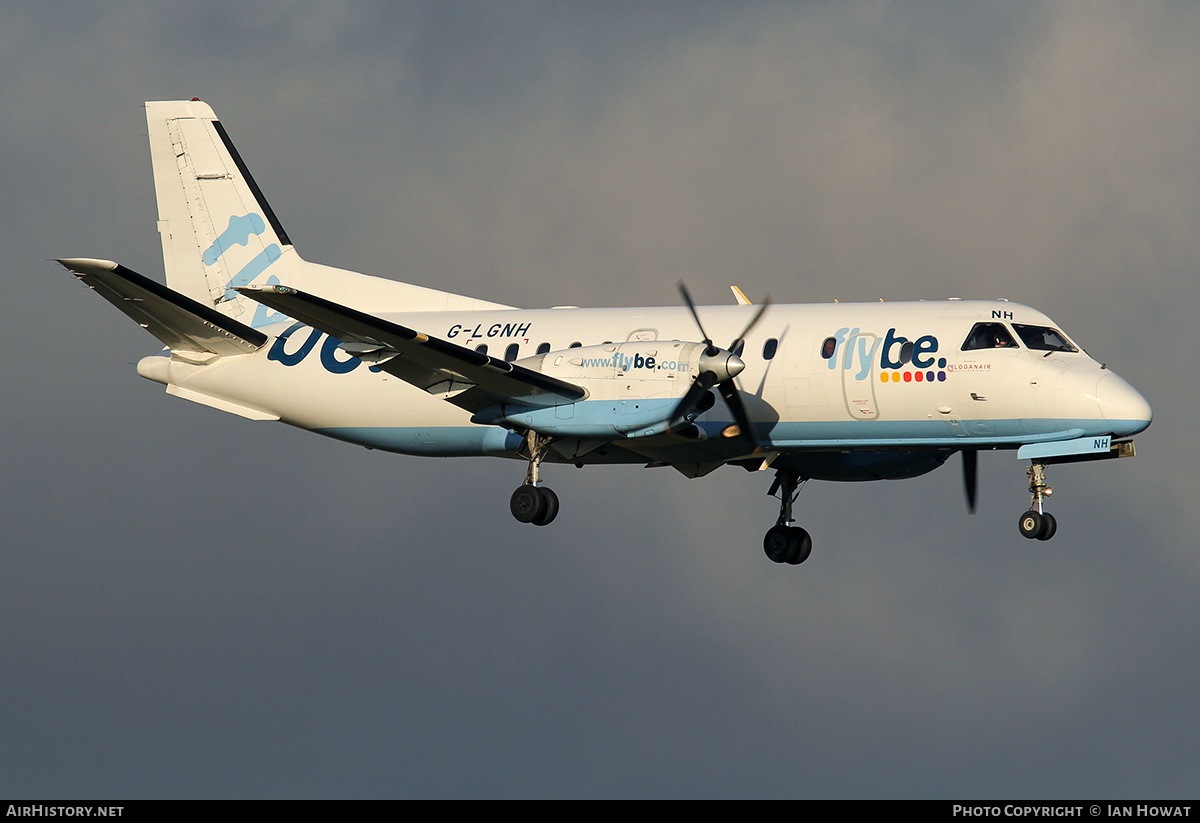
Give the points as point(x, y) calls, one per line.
point(634, 388)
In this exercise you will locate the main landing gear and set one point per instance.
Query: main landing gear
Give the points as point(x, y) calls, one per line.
point(1036, 524)
point(532, 503)
point(786, 543)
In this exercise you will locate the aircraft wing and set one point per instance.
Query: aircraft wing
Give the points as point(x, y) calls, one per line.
point(467, 378)
point(178, 321)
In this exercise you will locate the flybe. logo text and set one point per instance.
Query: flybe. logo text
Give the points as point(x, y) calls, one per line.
point(894, 356)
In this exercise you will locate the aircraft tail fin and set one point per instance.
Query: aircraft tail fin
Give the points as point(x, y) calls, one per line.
point(181, 323)
point(217, 230)
point(219, 233)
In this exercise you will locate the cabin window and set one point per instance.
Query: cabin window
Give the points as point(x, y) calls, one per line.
point(828, 347)
point(989, 336)
point(510, 354)
point(543, 348)
point(769, 348)
point(481, 348)
point(739, 348)
point(575, 345)
point(1043, 338)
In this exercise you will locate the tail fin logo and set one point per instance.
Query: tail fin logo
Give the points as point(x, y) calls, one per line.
point(237, 233)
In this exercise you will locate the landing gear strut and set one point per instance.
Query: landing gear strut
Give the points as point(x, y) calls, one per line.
point(1037, 524)
point(784, 542)
point(532, 503)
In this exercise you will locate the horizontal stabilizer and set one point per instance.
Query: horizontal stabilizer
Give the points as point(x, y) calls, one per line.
point(177, 320)
point(435, 365)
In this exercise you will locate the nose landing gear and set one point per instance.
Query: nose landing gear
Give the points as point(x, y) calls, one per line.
point(1037, 524)
point(785, 543)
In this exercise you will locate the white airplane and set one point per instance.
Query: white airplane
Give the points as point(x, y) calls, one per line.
point(846, 391)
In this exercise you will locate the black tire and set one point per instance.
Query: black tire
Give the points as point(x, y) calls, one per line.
point(527, 504)
point(777, 543)
point(1031, 524)
point(1049, 526)
point(801, 547)
point(551, 510)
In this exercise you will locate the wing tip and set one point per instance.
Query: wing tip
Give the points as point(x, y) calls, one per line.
point(86, 265)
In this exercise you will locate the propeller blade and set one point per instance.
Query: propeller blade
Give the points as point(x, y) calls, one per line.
point(733, 398)
point(694, 396)
point(729, 389)
point(970, 476)
point(741, 338)
point(687, 298)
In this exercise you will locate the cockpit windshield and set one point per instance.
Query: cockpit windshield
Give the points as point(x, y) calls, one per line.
point(1043, 338)
point(989, 336)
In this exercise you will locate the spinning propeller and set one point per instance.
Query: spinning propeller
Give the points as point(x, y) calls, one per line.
point(718, 367)
point(970, 476)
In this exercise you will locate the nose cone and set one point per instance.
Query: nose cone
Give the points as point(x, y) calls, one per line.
point(725, 365)
point(1122, 406)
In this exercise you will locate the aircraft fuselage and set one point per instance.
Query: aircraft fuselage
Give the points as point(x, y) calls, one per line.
point(896, 376)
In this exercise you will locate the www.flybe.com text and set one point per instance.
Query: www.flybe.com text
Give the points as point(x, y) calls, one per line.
point(623, 362)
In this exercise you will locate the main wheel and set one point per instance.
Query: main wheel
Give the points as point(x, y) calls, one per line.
point(777, 543)
point(1049, 526)
point(527, 504)
point(801, 547)
point(551, 510)
point(787, 544)
point(1031, 524)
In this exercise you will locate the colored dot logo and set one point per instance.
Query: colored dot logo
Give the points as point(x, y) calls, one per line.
point(913, 377)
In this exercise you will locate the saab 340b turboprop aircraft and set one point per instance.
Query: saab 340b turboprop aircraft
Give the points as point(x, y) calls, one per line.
point(848, 391)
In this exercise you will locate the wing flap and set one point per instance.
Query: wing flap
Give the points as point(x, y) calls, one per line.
point(178, 321)
point(430, 363)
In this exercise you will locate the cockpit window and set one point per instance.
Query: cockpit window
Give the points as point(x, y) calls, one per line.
point(1043, 338)
point(989, 336)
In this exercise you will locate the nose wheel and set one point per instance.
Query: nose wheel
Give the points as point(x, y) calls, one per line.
point(1037, 524)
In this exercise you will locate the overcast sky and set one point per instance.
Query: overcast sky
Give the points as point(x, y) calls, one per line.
point(195, 605)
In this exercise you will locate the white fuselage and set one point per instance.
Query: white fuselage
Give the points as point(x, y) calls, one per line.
point(869, 393)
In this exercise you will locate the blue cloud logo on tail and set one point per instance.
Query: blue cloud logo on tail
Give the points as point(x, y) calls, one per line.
point(237, 233)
